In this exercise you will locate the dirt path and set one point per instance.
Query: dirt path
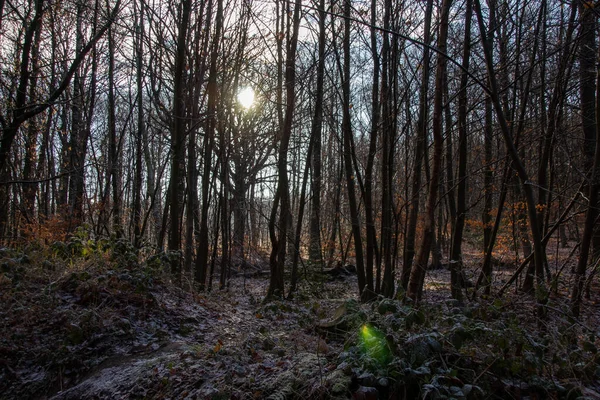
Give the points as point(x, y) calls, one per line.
point(227, 344)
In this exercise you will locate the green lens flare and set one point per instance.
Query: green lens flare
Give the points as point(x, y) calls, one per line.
point(365, 332)
point(373, 344)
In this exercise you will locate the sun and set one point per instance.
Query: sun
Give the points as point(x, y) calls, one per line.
point(246, 97)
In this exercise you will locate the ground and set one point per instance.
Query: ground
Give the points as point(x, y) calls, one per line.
point(101, 325)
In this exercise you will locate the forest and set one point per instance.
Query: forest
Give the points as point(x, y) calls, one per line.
point(299, 199)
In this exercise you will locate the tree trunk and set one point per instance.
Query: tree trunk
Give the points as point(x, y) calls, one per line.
point(20, 113)
point(539, 255)
point(347, 155)
point(139, 150)
point(456, 281)
point(278, 251)
point(417, 275)
point(315, 251)
point(31, 138)
point(411, 231)
point(387, 161)
point(213, 94)
point(78, 139)
point(114, 169)
point(371, 250)
point(297, 237)
point(590, 106)
point(178, 132)
point(196, 101)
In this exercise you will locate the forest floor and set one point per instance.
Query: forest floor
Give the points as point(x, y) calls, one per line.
point(103, 326)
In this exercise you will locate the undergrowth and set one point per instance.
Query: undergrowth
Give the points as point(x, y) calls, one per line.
point(478, 351)
point(69, 306)
point(73, 305)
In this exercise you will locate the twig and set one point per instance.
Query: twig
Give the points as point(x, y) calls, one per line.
point(485, 370)
point(559, 272)
point(544, 242)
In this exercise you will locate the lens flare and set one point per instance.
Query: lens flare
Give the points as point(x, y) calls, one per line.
point(373, 343)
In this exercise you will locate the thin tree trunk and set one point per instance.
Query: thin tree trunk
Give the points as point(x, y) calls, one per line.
point(21, 113)
point(178, 131)
point(539, 255)
point(547, 236)
point(371, 249)
point(225, 237)
point(331, 243)
point(31, 138)
point(77, 140)
point(417, 275)
point(137, 183)
point(411, 231)
point(195, 103)
point(113, 152)
point(590, 104)
point(315, 251)
point(278, 251)
point(387, 162)
point(347, 155)
point(456, 281)
point(488, 181)
point(213, 94)
point(297, 237)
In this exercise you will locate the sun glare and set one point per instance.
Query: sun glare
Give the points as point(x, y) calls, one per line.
point(246, 97)
point(374, 344)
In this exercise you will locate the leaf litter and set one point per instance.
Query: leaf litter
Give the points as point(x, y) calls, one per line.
point(114, 330)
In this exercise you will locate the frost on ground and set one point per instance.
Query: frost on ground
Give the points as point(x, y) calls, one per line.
point(112, 330)
point(107, 331)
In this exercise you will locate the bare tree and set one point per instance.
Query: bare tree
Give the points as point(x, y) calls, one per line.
point(590, 118)
point(417, 275)
point(278, 250)
point(539, 255)
point(178, 133)
point(201, 268)
point(456, 263)
point(420, 138)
